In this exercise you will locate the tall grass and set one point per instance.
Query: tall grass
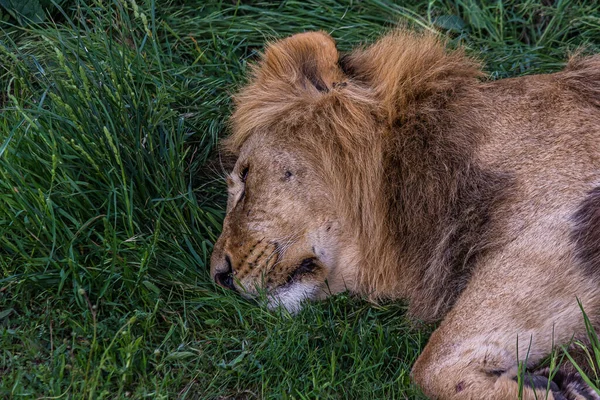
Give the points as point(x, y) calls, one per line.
point(110, 198)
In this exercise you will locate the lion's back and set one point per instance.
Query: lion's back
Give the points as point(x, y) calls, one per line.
point(545, 130)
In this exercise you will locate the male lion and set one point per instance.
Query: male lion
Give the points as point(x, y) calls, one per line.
point(396, 171)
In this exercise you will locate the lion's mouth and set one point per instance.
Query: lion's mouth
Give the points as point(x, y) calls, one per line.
point(301, 284)
point(306, 267)
point(298, 287)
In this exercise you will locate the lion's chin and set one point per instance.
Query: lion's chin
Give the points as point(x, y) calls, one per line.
point(293, 296)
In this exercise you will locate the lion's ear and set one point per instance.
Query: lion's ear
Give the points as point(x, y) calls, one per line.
point(405, 69)
point(307, 60)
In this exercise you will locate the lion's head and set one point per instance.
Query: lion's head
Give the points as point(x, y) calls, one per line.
point(283, 232)
point(309, 204)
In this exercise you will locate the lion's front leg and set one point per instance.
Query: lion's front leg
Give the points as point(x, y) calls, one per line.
point(500, 321)
point(475, 377)
point(475, 370)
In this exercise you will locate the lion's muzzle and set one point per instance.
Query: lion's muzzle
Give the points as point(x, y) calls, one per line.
point(244, 266)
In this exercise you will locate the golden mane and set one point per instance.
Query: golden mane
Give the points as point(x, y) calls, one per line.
point(370, 122)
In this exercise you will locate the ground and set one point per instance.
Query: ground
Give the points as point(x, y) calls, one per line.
point(111, 196)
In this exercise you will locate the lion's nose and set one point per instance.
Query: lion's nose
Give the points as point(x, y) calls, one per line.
point(225, 279)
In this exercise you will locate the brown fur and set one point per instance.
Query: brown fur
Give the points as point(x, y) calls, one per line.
point(586, 233)
point(473, 200)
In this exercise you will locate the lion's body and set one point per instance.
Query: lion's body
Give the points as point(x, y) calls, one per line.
point(478, 202)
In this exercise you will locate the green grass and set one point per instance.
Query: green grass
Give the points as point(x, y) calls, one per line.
point(111, 198)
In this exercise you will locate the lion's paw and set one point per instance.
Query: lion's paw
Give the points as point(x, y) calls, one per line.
point(564, 385)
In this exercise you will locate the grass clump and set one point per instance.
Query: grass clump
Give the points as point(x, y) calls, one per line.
point(108, 206)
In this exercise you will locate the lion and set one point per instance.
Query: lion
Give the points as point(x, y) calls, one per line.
point(398, 171)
